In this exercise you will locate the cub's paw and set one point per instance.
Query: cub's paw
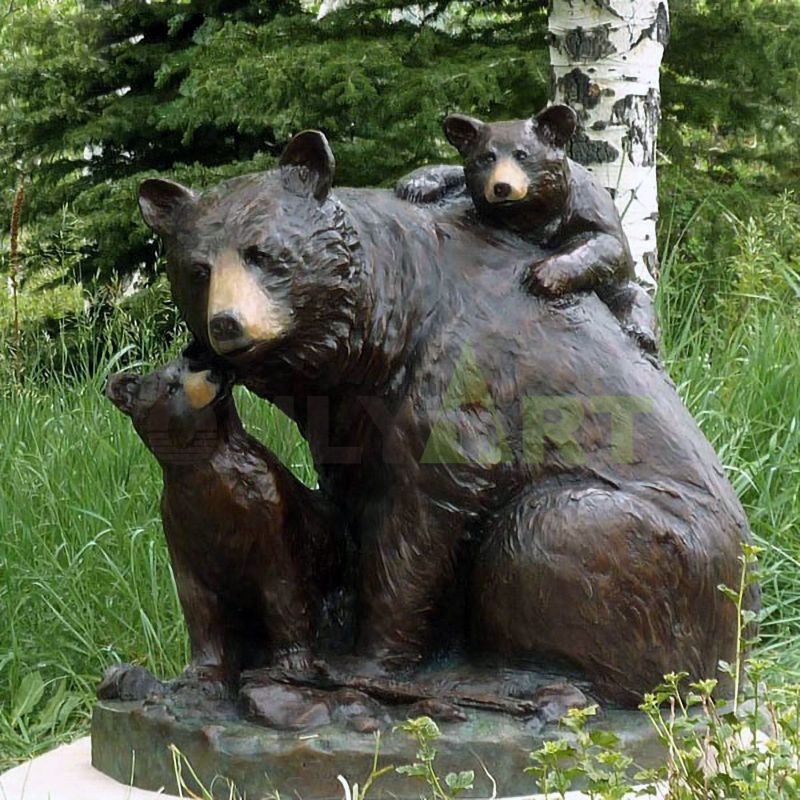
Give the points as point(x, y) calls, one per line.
point(128, 682)
point(430, 184)
point(549, 278)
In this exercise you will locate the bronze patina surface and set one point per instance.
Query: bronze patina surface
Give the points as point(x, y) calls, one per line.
point(508, 483)
point(220, 741)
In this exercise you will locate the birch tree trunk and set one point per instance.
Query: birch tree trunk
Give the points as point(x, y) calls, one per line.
point(605, 57)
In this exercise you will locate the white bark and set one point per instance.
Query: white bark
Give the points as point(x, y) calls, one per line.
point(413, 14)
point(605, 57)
point(329, 6)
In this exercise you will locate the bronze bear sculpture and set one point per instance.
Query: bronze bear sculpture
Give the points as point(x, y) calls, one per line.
point(519, 177)
point(253, 550)
point(570, 509)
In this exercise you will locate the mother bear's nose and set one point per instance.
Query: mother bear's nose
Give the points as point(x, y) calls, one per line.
point(502, 189)
point(225, 328)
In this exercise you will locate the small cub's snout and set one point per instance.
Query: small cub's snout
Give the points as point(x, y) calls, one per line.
point(225, 328)
point(502, 190)
point(121, 390)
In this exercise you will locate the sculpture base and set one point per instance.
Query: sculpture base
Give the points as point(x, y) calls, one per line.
point(131, 743)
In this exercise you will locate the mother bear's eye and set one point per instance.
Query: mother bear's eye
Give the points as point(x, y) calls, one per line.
point(258, 259)
point(484, 159)
point(200, 272)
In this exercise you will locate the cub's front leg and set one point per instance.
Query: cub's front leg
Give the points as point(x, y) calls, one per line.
point(587, 261)
point(431, 184)
point(212, 655)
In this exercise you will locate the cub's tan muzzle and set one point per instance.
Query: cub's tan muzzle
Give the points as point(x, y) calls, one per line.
point(508, 182)
point(200, 389)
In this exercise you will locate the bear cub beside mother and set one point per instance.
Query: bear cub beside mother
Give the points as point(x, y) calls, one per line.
point(246, 539)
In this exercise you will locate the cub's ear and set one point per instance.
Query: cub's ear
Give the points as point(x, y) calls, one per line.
point(462, 132)
point(122, 390)
point(159, 201)
point(307, 165)
point(556, 124)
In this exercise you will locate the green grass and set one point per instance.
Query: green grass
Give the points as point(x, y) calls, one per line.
point(84, 575)
point(735, 357)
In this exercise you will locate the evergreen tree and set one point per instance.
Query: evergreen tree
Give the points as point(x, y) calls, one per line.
point(100, 95)
point(95, 96)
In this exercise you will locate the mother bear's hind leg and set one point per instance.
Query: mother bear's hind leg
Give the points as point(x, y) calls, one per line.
point(607, 581)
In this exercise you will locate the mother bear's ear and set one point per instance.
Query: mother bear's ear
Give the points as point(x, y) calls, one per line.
point(159, 201)
point(307, 165)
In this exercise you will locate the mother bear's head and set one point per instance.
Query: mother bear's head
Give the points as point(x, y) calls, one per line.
point(261, 263)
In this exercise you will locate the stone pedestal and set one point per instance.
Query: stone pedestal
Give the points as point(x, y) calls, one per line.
point(130, 742)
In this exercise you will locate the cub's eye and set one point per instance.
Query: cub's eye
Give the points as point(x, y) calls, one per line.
point(200, 272)
point(484, 159)
point(520, 155)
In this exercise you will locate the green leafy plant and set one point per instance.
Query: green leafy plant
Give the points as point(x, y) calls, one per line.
point(425, 732)
point(361, 792)
point(590, 757)
point(748, 747)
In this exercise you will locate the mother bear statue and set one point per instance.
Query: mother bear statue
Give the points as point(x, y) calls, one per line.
point(520, 481)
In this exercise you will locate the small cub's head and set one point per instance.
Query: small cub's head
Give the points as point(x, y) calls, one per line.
point(176, 410)
point(517, 165)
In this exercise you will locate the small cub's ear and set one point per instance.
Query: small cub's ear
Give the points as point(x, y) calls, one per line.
point(462, 132)
point(556, 124)
point(122, 390)
point(307, 165)
point(159, 201)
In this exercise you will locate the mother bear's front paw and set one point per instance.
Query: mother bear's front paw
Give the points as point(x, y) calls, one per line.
point(212, 679)
point(343, 669)
point(389, 661)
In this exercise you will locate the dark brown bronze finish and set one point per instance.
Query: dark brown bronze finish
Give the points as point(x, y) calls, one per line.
point(515, 477)
point(253, 550)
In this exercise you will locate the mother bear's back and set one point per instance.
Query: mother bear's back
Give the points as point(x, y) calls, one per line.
point(526, 348)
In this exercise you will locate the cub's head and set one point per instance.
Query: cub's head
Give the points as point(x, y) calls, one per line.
point(516, 170)
point(261, 262)
point(179, 412)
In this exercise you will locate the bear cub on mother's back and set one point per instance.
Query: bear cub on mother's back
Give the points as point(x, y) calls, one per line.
point(244, 535)
point(520, 178)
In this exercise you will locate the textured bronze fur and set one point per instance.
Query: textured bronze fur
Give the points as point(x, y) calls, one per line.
point(429, 383)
